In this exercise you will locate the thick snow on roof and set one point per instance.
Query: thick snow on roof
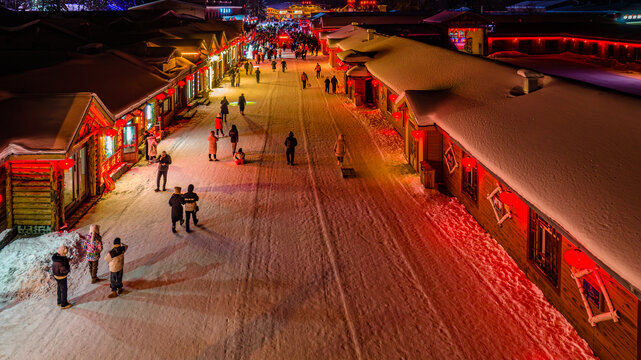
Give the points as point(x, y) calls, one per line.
point(57, 119)
point(570, 151)
point(119, 80)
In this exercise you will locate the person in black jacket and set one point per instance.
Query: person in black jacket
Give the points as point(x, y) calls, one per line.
point(60, 269)
point(327, 85)
point(191, 205)
point(224, 108)
point(176, 202)
point(233, 138)
point(290, 144)
point(334, 82)
point(163, 166)
point(241, 103)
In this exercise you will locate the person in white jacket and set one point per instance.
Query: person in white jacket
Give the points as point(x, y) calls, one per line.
point(339, 149)
point(116, 259)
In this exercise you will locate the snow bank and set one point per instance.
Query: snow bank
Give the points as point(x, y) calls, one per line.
point(25, 269)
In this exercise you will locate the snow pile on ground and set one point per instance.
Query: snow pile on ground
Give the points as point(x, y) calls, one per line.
point(25, 269)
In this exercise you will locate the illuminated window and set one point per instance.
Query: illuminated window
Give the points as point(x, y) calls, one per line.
point(471, 181)
point(129, 140)
point(544, 247)
point(109, 146)
point(149, 115)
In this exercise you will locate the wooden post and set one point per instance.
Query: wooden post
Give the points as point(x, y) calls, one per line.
point(9, 200)
point(54, 199)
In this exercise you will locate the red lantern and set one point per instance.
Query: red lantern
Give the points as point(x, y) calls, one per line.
point(121, 123)
point(397, 115)
point(111, 132)
point(181, 83)
point(393, 97)
point(349, 82)
point(468, 163)
point(67, 164)
point(507, 198)
point(417, 134)
point(137, 112)
point(375, 82)
point(340, 63)
point(211, 54)
point(190, 77)
point(216, 52)
point(161, 97)
point(170, 91)
point(577, 258)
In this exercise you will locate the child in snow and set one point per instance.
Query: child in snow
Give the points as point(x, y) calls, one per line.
point(116, 259)
point(176, 202)
point(339, 149)
point(213, 146)
point(60, 269)
point(240, 157)
point(93, 246)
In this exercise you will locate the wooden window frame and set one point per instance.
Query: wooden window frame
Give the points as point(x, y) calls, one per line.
point(470, 182)
point(548, 262)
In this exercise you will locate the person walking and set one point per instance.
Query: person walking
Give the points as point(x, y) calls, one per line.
point(339, 149)
point(290, 145)
point(152, 148)
point(232, 78)
point(241, 103)
point(257, 76)
point(176, 202)
point(327, 85)
point(224, 108)
point(280, 53)
point(318, 70)
point(92, 245)
point(251, 68)
point(60, 269)
point(218, 122)
point(237, 78)
point(233, 138)
point(191, 206)
point(274, 65)
point(246, 66)
point(334, 83)
point(146, 137)
point(283, 65)
point(116, 259)
point(303, 78)
point(213, 146)
point(163, 166)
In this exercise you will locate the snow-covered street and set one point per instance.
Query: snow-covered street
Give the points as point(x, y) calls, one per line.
point(292, 262)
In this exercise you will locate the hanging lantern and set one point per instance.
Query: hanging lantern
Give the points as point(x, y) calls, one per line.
point(349, 82)
point(417, 134)
point(67, 164)
point(216, 52)
point(340, 63)
point(181, 83)
point(468, 163)
point(111, 132)
point(121, 123)
point(397, 115)
point(393, 97)
point(170, 91)
point(375, 82)
point(190, 77)
point(161, 97)
point(577, 258)
point(211, 54)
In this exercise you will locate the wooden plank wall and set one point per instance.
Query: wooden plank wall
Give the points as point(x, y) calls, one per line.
point(608, 340)
point(3, 198)
point(31, 192)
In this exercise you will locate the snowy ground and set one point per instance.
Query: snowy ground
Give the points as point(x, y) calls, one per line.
point(293, 262)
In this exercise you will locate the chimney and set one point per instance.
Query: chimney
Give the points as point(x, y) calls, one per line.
point(370, 34)
point(530, 80)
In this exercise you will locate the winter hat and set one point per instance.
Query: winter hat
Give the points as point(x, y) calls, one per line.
point(177, 190)
point(291, 133)
point(117, 241)
point(190, 188)
point(62, 250)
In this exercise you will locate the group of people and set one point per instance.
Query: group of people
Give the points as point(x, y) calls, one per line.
point(190, 202)
point(92, 245)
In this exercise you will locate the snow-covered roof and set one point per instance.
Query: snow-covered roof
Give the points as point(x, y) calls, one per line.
point(120, 80)
point(357, 71)
point(570, 151)
point(58, 116)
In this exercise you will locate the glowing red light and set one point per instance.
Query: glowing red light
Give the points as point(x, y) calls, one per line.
point(508, 198)
point(375, 82)
point(468, 163)
point(161, 97)
point(120, 123)
point(576, 258)
point(211, 54)
point(181, 83)
point(349, 82)
point(393, 97)
point(397, 115)
point(216, 52)
point(111, 132)
point(67, 164)
point(417, 134)
point(190, 77)
point(170, 91)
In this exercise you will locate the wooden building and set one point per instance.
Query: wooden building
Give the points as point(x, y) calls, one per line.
point(530, 159)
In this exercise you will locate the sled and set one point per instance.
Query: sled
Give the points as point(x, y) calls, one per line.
point(348, 172)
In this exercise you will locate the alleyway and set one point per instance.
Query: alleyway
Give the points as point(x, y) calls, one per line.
point(292, 262)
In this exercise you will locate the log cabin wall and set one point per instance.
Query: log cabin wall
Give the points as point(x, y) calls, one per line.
point(33, 197)
point(3, 198)
point(609, 340)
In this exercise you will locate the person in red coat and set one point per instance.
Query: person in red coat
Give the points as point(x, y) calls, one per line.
point(219, 124)
point(303, 78)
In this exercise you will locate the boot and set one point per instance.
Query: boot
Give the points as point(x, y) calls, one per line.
point(173, 229)
point(113, 294)
point(119, 291)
